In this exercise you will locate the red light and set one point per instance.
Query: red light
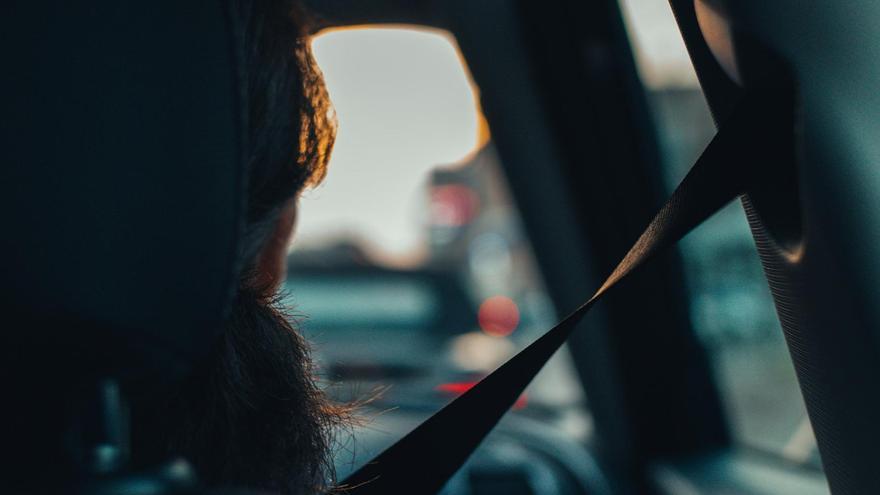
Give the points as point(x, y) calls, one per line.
point(453, 205)
point(498, 316)
point(458, 388)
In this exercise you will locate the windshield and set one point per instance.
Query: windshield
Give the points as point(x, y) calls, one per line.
point(410, 272)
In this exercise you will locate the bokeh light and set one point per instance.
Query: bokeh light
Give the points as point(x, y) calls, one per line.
point(498, 316)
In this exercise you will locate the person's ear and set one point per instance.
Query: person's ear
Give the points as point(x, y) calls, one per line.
point(272, 261)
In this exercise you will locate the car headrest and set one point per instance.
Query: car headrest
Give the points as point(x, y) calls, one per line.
point(120, 177)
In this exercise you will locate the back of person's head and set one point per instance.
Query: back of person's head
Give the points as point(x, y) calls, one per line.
point(252, 415)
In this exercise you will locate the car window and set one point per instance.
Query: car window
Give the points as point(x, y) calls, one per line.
point(410, 271)
point(730, 302)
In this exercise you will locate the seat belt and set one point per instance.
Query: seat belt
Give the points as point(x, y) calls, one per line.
point(423, 460)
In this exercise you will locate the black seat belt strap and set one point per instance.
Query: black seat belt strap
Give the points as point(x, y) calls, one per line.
point(423, 460)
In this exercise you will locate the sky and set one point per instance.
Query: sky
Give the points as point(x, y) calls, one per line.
point(659, 50)
point(405, 105)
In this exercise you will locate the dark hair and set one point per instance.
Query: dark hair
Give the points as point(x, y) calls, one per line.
point(290, 120)
point(252, 414)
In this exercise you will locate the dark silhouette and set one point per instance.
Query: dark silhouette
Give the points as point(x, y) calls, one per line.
point(252, 415)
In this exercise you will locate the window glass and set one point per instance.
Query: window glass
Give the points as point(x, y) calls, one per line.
point(410, 271)
point(731, 307)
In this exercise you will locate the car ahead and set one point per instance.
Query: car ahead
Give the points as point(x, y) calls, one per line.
point(387, 339)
